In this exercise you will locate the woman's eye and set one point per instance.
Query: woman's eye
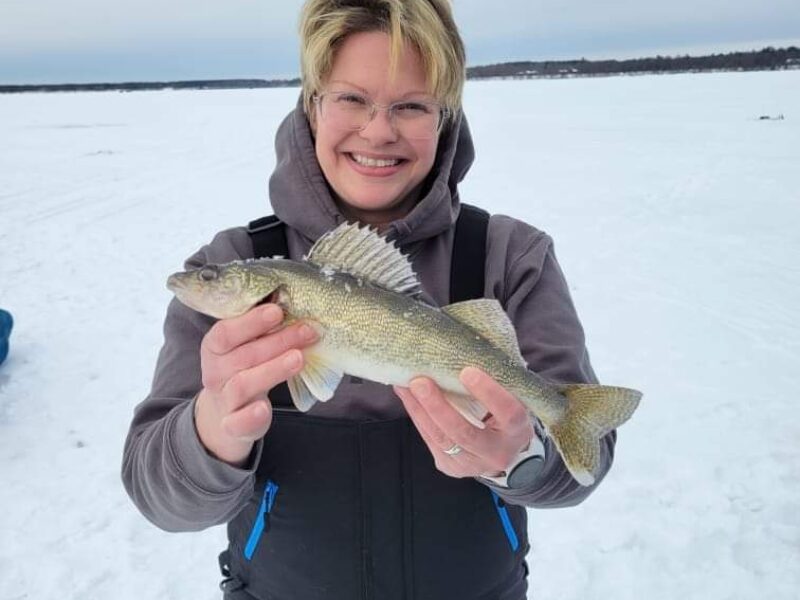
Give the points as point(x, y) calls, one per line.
point(354, 99)
point(412, 108)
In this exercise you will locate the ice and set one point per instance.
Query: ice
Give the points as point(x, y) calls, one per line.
point(675, 213)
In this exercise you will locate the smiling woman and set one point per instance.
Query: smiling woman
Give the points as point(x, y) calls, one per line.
point(407, 59)
point(379, 492)
point(373, 166)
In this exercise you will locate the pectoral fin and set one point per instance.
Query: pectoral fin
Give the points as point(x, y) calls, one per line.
point(315, 383)
point(320, 378)
point(301, 396)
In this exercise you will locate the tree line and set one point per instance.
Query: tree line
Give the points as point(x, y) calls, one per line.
point(766, 59)
point(761, 60)
point(138, 86)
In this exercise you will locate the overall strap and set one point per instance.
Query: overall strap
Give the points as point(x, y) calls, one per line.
point(269, 237)
point(468, 263)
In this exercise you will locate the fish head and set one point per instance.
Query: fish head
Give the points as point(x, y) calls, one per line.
point(225, 291)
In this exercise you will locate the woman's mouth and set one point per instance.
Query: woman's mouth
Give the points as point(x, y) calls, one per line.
point(376, 167)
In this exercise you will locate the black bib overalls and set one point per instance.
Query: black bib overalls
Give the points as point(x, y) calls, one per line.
point(356, 510)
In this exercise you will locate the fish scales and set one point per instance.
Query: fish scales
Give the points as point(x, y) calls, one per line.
point(365, 320)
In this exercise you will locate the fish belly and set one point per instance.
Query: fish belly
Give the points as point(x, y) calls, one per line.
point(369, 366)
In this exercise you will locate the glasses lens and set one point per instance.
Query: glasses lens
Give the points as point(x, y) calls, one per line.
point(353, 112)
point(417, 120)
point(346, 110)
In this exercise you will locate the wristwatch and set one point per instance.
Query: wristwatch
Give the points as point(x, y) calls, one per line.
point(525, 468)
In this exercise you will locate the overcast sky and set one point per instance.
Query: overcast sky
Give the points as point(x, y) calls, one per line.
point(58, 41)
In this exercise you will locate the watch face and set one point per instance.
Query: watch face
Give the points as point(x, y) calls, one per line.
point(526, 472)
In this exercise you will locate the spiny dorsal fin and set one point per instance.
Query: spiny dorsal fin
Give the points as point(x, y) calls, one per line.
point(488, 318)
point(361, 252)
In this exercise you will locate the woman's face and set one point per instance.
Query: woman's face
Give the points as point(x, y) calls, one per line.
point(374, 193)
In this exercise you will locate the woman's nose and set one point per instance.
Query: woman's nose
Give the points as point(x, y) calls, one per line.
point(380, 129)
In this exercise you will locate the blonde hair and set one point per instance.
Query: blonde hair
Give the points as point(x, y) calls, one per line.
point(427, 24)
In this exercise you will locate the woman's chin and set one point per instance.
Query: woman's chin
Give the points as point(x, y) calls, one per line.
point(373, 209)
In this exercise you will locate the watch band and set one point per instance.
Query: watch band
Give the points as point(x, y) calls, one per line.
point(524, 468)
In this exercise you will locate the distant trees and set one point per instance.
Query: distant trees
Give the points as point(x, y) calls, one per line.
point(766, 59)
point(136, 86)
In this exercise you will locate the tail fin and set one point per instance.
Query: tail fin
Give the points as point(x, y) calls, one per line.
point(592, 411)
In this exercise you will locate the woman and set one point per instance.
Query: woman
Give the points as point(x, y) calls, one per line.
point(365, 495)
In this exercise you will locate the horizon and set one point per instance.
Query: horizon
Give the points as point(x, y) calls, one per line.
point(685, 51)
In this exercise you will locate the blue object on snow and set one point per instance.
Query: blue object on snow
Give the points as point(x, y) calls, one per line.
point(6, 323)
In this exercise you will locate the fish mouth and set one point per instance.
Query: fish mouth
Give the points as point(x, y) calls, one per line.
point(175, 283)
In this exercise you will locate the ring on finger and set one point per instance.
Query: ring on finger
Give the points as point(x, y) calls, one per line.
point(453, 450)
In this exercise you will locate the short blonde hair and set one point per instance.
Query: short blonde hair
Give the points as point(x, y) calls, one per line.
point(427, 24)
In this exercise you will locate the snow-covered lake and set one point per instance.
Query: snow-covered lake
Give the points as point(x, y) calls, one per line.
point(675, 212)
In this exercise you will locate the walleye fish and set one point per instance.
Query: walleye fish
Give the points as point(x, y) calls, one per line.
point(362, 296)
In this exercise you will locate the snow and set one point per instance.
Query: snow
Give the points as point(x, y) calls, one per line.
point(675, 213)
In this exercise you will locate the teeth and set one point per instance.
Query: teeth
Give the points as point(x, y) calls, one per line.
point(372, 162)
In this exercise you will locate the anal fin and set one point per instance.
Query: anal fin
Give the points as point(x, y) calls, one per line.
point(472, 410)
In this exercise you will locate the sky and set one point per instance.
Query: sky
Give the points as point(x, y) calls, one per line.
point(80, 41)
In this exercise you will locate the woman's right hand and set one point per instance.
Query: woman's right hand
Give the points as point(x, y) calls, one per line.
point(241, 358)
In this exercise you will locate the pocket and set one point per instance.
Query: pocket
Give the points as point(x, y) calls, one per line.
point(262, 519)
point(505, 519)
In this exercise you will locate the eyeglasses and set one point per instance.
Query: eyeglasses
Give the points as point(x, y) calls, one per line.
point(351, 111)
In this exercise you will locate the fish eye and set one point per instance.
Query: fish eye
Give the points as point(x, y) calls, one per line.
point(208, 273)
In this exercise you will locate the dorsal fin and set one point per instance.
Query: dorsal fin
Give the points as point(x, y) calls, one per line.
point(361, 252)
point(488, 318)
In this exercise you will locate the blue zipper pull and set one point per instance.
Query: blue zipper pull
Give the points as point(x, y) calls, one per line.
point(500, 505)
point(267, 500)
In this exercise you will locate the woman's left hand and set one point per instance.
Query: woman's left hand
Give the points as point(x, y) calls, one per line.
point(484, 452)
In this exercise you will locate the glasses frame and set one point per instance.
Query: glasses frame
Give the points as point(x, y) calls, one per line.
point(374, 107)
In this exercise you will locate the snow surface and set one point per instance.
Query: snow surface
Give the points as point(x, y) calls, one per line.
point(675, 213)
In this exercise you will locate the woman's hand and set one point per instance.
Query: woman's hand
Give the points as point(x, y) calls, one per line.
point(241, 358)
point(484, 452)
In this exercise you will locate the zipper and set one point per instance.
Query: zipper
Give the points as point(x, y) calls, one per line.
point(505, 519)
point(262, 519)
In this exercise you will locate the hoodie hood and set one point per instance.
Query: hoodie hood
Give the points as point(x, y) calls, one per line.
point(302, 199)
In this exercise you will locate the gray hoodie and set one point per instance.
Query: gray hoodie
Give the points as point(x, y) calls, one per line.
point(179, 486)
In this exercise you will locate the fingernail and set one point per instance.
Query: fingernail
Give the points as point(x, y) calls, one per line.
point(420, 388)
point(307, 333)
point(292, 360)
